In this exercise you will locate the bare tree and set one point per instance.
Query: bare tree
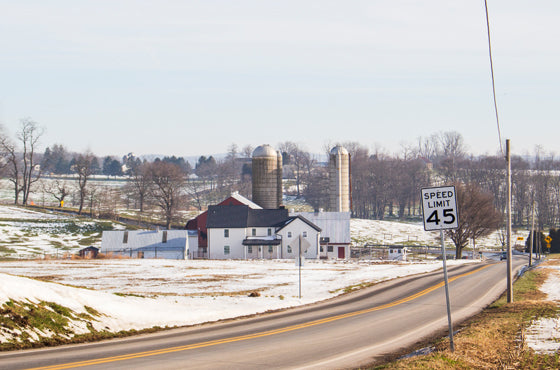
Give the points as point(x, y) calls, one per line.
point(140, 182)
point(59, 189)
point(21, 168)
point(11, 165)
point(477, 216)
point(84, 168)
point(298, 158)
point(29, 135)
point(168, 183)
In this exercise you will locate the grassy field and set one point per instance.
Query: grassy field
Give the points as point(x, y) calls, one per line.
point(494, 338)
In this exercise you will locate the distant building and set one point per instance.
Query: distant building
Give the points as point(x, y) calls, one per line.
point(88, 252)
point(398, 253)
point(167, 244)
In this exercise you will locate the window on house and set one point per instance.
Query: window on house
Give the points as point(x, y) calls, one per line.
point(226, 233)
point(269, 232)
point(125, 237)
point(270, 249)
point(254, 232)
point(226, 249)
point(289, 234)
point(289, 249)
point(322, 249)
point(250, 249)
point(305, 234)
point(329, 248)
point(164, 237)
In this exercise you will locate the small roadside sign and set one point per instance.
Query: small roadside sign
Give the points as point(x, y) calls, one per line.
point(439, 208)
point(520, 238)
point(548, 239)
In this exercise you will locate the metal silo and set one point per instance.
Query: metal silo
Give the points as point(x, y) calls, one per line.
point(339, 180)
point(279, 179)
point(265, 177)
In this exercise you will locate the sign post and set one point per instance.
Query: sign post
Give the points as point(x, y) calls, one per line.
point(439, 211)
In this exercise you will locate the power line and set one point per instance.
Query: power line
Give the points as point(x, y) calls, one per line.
point(492, 74)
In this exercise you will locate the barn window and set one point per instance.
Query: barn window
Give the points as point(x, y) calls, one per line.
point(250, 249)
point(226, 233)
point(125, 237)
point(289, 249)
point(305, 234)
point(254, 232)
point(269, 232)
point(226, 249)
point(289, 234)
point(164, 237)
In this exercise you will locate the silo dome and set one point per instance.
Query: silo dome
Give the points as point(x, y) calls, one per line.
point(264, 151)
point(339, 150)
point(267, 177)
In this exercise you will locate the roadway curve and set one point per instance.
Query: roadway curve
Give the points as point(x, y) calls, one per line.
point(348, 331)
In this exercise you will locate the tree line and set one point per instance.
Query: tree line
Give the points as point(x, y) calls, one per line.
point(384, 185)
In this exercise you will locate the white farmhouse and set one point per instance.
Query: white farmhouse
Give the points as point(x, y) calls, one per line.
point(241, 232)
point(166, 244)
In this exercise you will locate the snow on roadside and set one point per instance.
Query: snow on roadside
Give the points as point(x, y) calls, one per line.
point(173, 293)
point(543, 335)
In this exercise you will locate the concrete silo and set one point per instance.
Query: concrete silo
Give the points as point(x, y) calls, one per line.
point(339, 180)
point(267, 177)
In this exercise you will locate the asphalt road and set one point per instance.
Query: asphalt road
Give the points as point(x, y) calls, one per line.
point(344, 332)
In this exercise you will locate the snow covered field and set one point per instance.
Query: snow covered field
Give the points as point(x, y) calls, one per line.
point(137, 294)
point(25, 233)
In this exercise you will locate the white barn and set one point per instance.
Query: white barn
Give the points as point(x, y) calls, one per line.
point(335, 232)
point(166, 244)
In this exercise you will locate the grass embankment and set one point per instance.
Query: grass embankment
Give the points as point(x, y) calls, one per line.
point(494, 338)
point(31, 325)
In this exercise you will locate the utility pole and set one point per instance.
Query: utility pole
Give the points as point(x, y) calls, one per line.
point(508, 235)
point(532, 234)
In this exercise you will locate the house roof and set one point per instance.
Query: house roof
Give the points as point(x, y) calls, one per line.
point(293, 218)
point(242, 216)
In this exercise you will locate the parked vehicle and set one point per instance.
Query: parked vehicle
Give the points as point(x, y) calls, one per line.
point(503, 256)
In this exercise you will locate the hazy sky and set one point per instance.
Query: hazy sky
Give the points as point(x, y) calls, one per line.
point(191, 77)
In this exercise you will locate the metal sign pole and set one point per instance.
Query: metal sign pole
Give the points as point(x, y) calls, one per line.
point(439, 210)
point(299, 266)
point(450, 323)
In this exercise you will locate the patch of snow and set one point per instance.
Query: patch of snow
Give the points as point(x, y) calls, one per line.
point(543, 335)
point(552, 284)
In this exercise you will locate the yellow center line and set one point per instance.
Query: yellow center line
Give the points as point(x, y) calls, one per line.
point(253, 336)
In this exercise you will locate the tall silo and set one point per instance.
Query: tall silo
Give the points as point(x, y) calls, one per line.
point(339, 180)
point(279, 179)
point(266, 189)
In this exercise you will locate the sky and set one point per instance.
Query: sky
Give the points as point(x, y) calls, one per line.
point(190, 78)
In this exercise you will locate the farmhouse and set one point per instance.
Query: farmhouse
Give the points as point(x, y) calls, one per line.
point(242, 232)
point(198, 247)
point(169, 244)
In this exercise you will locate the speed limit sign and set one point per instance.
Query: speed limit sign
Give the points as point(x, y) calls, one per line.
point(439, 208)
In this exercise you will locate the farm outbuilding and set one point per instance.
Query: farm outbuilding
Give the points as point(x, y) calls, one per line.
point(88, 252)
point(165, 244)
